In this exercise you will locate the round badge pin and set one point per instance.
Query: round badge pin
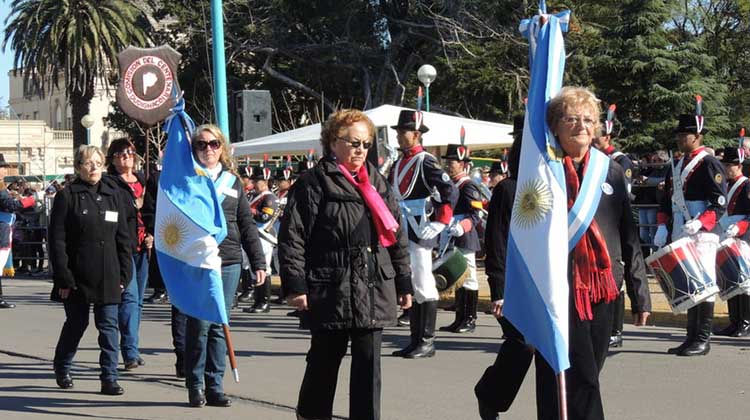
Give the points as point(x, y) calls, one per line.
point(607, 189)
point(722, 200)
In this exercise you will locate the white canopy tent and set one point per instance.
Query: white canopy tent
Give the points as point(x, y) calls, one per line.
point(444, 129)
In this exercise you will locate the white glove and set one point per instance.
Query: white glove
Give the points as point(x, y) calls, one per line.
point(456, 230)
point(692, 227)
point(732, 230)
point(660, 238)
point(432, 230)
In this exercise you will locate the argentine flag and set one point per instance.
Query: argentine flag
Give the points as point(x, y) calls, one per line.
point(536, 290)
point(190, 226)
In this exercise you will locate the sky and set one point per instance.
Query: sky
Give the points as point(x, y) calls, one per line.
point(6, 58)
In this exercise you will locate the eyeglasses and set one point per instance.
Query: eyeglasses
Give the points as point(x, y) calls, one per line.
point(356, 143)
point(203, 145)
point(574, 121)
point(92, 165)
point(124, 154)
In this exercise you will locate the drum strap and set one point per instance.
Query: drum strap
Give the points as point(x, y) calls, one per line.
point(680, 177)
point(400, 172)
point(410, 209)
point(732, 195)
point(584, 208)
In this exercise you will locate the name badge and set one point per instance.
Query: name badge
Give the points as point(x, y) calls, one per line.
point(110, 216)
point(230, 192)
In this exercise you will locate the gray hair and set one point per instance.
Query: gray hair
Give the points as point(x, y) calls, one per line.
point(84, 153)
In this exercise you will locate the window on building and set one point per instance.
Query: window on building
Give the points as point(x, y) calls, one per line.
point(68, 118)
point(58, 116)
point(36, 115)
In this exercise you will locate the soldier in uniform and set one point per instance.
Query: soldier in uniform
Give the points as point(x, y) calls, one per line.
point(694, 202)
point(264, 206)
point(466, 218)
point(426, 196)
point(603, 142)
point(735, 223)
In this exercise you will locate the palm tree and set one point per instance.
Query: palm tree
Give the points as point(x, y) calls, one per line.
point(76, 39)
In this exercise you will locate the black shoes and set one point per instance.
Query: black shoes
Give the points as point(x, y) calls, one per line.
point(6, 305)
point(245, 297)
point(743, 330)
point(460, 308)
point(112, 388)
point(486, 413)
point(616, 340)
point(703, 319)
point(64, 380)
point(218, 400)
point(295, 313)
point(258, 308)
point(425, 338)
point(196, 398)
point(403, 319)
point(132, 364)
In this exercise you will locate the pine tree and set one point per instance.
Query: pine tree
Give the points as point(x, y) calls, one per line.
point(652, 77)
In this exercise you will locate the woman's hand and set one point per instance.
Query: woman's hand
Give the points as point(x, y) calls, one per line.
point(260, 277)
point(64, 293)
point(148, 241)
point(300, 301)
point(404, 301)
point(497, 308)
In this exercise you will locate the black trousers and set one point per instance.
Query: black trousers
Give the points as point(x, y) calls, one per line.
point(179, 327)
point(327, 348)
point(589, 341)
point(499, 385)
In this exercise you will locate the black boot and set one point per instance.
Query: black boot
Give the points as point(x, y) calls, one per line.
point(261, 294)
point(403, 320)
point(618, 315)
point(159, 296)
point(415, 318)
point(469, 322)
point(691, 321)
point(460, 304)
point(702, 343)
point(743, 316)
point(426, 344)
point(734, 310)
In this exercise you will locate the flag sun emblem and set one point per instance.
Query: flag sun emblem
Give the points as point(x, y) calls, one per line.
point(173, 232)
point(534, 201)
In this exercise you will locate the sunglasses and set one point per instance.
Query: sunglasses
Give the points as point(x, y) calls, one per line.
point(203, 145)
point(356, 143)
point(124, 154)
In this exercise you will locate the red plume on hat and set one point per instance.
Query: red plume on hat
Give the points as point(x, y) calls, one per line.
point(462, 151)
point(699, 113)
point(419, 98)
point(609, 123)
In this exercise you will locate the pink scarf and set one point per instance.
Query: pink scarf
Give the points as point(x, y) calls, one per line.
point(385, 223)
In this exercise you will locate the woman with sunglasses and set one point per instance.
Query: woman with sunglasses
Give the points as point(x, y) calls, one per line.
point(90, 253)
point(121, 158)
point(205, 348)
point(344, 264)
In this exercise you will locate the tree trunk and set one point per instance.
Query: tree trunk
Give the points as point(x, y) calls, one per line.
point(79, 104)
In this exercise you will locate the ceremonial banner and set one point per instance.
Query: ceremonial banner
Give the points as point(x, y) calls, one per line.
point(536, 290)
point(190, 225)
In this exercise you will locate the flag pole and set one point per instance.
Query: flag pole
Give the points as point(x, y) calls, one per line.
point(220, 68)
point(230, 350)
point(561, 396)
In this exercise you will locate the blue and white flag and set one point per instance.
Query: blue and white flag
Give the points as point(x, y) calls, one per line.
point(536, 290)
point(190, 225)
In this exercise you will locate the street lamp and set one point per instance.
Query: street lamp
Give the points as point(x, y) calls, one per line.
point(427, 74)
point(18, 143)
point(87, 121)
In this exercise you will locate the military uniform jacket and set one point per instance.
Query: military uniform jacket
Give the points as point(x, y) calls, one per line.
point(468, 206)
point(706, 182)
point(420, 181)
point(90, 248)
point(263, 206)
point(738, 204)
point(329, 250)
point(623, 160)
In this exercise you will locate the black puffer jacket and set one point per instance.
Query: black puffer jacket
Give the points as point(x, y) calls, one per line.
point(242, 233)
point(328, 249)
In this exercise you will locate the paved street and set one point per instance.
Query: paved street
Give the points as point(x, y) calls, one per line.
point(640, 382)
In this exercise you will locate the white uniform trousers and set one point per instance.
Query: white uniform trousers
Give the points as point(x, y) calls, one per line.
point(268, 254)
point(471, 282)
point(422, 279)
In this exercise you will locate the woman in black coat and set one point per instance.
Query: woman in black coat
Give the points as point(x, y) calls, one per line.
point(344, 264)
point(90, 253)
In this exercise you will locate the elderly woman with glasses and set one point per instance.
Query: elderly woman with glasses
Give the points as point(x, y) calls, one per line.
point(344, 264)
point(607, 253)
point(121, 159)
point(90, 253)
point(205, 347)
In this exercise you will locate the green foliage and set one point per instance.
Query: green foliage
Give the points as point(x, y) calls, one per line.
point(73, 40)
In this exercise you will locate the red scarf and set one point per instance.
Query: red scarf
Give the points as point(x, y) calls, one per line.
point(592, 267)
point(385, 223)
